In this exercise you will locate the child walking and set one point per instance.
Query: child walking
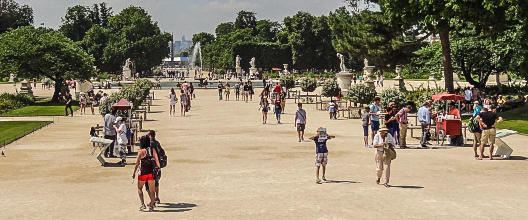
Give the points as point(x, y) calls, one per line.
point(321, 152)
point(365, 117)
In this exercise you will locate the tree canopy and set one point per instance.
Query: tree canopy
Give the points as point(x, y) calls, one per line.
point(32, 53)
point(13, 15)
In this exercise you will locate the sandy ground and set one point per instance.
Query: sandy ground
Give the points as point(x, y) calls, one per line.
point(224, 164)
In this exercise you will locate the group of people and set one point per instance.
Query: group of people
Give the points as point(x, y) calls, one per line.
point(277, 95)
point(185, 97)
point(244, 88)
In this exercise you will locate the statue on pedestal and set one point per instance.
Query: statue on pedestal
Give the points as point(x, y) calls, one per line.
point(252, 62)
point(128, 69)
point(342, 62)
point(237, 61)
point(368, 70)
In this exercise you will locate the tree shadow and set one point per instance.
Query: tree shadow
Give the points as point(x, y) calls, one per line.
point(407, 187)
point(175, 207)
point(341, 181)
point(517, 158)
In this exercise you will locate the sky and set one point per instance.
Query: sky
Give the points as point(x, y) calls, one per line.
point(187, 17)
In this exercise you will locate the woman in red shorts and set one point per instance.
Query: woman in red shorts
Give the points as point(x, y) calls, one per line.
point(148, 159)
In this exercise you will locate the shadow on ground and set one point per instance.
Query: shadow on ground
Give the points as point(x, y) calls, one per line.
point(175, 207)
point(408, 187)
point(341, 181)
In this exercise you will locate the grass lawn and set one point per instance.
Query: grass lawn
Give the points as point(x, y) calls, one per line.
point(40, 108)
point(515, 119)
point(13, 130)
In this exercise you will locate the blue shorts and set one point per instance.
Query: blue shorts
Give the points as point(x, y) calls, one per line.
point(375, 125)
point(365, 130)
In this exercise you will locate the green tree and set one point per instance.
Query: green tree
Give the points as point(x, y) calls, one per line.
point(13, 15)
point(224, 28)
point(246, 19)
point(267, 30)
point(32, 53)
point(94, 42)
point(439, 16)
point(134, 35)
point(76, 22)
point(204, 38)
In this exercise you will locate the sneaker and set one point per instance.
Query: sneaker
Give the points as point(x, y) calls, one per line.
point(151, 208)
point(386, 185)
point(142, 208)
point(299, 140)
point(318, 181)
point(378, 181)
point(324, 178)
point(157, 200)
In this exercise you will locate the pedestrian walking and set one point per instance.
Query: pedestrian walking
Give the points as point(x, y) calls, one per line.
point(278, 108)
point(264, 105)
point(300, 121)
point(82, 103)
point(220, 88)
point(172, 102)
point(385, 153)
point(321, 152)
point(237, 91)
point(68, 99)
point(227, 91)
point(148, 163)
point(183, 103)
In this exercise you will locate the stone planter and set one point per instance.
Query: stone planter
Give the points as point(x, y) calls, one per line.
point(344, 79)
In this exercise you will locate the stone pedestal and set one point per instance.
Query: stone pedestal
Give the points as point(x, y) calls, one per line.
point(367, 75)
point(238, 71)
point(344, 79)
point(252, 72)
point(128, 73)
point(399, 83)
point(25, 88)
point(12, 77)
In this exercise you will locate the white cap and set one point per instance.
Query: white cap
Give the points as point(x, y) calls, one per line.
point(118, 119)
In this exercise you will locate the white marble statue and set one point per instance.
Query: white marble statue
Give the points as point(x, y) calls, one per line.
point(252, 62)
point(342, 60)
point(237, 61)
point(128, 64)
point(365, 61)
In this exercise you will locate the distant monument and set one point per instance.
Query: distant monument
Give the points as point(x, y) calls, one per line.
point(344, 78)
point(253, 69)
point(285, 71)
point(128, 70)
point(238, 69)
point(399, 78)
point(367, 72)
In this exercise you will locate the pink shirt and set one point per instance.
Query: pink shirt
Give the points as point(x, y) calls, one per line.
point(403, 116)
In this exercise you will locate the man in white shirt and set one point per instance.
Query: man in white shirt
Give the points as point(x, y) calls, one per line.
point(380, 139)
point(467, 96)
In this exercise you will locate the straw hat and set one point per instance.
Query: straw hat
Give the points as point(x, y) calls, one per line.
point(384, 129)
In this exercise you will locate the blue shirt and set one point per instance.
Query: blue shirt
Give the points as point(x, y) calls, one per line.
point(424, 115)
point(320, 146)
point(374, 109)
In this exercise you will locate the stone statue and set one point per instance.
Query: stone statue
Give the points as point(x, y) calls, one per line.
point(365, 61)
point(237, 61)
point(342, 64)
point(128, 64)
point(252, 62)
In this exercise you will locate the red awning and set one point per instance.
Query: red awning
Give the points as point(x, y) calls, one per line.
point(276, 69)
point(447, 96)
point(123, 104)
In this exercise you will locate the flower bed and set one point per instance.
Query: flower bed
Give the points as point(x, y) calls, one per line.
point(134, 93)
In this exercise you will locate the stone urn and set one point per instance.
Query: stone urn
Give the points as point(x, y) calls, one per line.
point(344, 79)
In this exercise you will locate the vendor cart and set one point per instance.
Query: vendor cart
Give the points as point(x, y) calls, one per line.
point(445, 125)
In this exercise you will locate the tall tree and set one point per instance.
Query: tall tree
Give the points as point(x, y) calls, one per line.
point(94, 42)
point(438, 16)
point(204, 38)
point(13, 15)
point(267, 30)
point(31, 52)
point(246, 19)
point(76, 22)
point(224, 28)
point(134, 35)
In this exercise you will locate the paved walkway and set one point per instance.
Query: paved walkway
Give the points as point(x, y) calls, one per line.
point(224, 164)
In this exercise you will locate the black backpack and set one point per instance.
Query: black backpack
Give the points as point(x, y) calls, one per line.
point(161, 154)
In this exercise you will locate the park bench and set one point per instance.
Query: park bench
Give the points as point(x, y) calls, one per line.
point(308, 99)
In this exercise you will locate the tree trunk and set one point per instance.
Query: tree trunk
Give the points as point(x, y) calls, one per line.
point(57, 93)
point(446, 59)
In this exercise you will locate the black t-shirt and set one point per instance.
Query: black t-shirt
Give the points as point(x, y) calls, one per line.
point(246, 88)
point(489, 119)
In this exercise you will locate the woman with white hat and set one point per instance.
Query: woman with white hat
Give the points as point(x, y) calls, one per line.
point(383, 141)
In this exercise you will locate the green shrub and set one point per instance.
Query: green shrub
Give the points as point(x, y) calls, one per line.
point(308, 84)
point(287, 81)
point(330, 89)
point(10, 101)
point(134, 93)
point(392, 95)
point(361, 94)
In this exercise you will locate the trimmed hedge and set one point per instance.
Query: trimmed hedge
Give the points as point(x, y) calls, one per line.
point(134, 93)
point(330, 89)
point(308, 84)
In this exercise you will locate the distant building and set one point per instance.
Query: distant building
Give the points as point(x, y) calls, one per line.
point(181, 45)
point(176, 48)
